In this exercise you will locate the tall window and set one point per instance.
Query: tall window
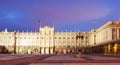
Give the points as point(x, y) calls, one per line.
point(72, 37)
point(119, 33)
point(41, 37)
point(59, 37)
point(37, 37)
point(113, 34)
point(68, 38)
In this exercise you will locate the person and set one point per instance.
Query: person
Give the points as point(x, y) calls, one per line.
point(79, 54)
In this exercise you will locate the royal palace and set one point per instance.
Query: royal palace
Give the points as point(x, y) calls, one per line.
point(47, 41)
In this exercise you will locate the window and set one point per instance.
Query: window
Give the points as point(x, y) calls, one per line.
point(37, 37)
point(72, 37)
point(55, 37)
point(59, 37)
point(119, 33)
point(94, 35)
point(68, 38)
point(41, 37)
point(9, 37)
point(113, 34)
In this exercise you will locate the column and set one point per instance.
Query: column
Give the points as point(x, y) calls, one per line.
point(118, 33)
point(47, 50)
point(51, 50)
point(39, 50)
point(42, 50)
point(105, 50)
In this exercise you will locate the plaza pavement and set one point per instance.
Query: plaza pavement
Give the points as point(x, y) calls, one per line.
point(84, 57)
point(63, 57)
point(74, 64)
point(69, 59)
point(102, 57)
point(12, 56)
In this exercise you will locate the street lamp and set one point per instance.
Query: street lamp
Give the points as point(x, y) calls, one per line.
point(79, 36)
point(15, 43)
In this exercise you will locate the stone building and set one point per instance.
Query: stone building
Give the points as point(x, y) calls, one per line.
point(47, 41)
point(107, 32)
point(105, 39)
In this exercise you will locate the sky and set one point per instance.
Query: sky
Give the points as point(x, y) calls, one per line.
point(64, 15)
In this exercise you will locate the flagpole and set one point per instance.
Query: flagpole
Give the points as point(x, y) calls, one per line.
point(54, 23)
point(39, 22)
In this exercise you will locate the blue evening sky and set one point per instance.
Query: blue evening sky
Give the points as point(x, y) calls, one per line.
point(70, 15)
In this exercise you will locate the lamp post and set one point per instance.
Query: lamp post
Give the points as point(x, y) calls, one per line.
point(15, 43)
point(79, 36)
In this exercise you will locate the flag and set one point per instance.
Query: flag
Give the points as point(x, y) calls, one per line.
point(39, 21)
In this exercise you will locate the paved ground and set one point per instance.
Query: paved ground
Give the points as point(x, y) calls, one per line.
point(10, 57)
point(20, 59)
point(57, 60)
point(63, 57)
point(75, 64)
point(102, 57)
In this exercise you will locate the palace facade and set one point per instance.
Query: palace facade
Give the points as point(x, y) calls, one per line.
point(108, 32)
point(106, 39)
point(47, 41)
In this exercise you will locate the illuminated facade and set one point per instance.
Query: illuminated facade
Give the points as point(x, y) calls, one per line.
point(106, 39)
point(47, 41)
point(109, 31)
